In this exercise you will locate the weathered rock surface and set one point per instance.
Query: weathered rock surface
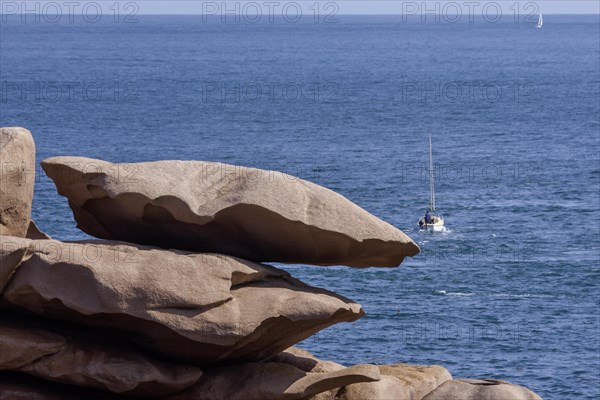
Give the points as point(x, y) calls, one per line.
point(198, 206)
point(56, 357)
point(203, 308)
point(481, 389)
point(305, 361)
point(387, 388)
point(272, 381)
point(15, 386)
point(398, 381)
point(417, 380)
point(17, 177)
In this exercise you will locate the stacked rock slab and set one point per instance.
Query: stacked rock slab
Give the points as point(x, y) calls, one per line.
point(17, 177)
point(307, 362)
point(273, 381)
point(60, 358)
point(202, 308)
point(481, 389)
point(254, 214)
point(398, 381)
point(16, 386)
point(402, 381)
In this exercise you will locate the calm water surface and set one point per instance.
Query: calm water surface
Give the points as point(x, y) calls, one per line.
point(510, 291)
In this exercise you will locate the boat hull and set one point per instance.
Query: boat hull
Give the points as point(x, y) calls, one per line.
point(437, 224)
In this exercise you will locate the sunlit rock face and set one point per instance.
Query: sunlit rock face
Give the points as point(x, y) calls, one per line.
point(258, 215)
point(203, 308)
point(17, 177)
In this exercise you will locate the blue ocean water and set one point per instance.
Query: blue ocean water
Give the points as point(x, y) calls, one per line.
point(510, 291)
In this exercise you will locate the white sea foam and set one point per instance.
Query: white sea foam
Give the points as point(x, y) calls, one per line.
point(445, 293)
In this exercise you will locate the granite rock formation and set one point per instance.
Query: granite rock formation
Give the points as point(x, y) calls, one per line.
point(481, 389)
point(55, 357)
point(272, 381)
point(177, 315)
point(250, 213)
point(203, 308)
point(17, 178)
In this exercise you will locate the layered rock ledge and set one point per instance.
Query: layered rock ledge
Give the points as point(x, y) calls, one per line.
point(250, 213)
point(61, 358)
point(203, 308)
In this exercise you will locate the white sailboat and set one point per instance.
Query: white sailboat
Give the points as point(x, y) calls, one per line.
point(431, 221)
point(540, 22)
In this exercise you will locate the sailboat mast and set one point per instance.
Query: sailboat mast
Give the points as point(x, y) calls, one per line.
point(431, 179)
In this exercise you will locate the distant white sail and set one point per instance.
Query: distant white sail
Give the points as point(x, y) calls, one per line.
point(540, 21)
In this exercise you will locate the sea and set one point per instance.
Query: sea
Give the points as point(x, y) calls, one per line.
point(511, 288)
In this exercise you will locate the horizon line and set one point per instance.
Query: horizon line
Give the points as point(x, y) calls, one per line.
point(355, 14)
